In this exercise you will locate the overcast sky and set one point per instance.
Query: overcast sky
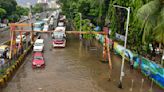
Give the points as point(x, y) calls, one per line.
point(24, 2)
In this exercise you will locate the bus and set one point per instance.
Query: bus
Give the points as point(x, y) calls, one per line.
point(38, 26)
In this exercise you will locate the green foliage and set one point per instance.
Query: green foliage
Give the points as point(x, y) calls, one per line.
point(85, 25)
point(117, 18)
point(91, 9)
point(146, 18)
point(2, 12)
point(8, 5)
point(10, 10)
point(21, 11)
point(37, 8)
point(152, 17)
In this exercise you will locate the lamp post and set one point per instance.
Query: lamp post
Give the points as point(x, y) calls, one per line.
point(30, 17)
point(80, 36)
point(125, 42)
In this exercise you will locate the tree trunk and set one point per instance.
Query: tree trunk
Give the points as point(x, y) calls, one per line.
point(160, 45)
point(162, 60)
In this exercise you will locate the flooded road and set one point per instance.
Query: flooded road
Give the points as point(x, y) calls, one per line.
point(74, 69)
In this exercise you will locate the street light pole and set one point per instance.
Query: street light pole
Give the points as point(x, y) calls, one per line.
point(30, 17)
point(80, 26)
point(125, 42)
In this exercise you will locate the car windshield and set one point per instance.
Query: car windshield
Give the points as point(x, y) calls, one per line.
point(38, 44)
point(37, 25)
point(58, 39)
point(38, 58)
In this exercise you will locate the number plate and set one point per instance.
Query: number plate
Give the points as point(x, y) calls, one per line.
point(38, 65)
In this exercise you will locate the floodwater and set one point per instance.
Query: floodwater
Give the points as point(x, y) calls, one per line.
point(75, 68)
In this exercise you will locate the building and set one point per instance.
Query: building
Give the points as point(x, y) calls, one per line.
point(42, 1)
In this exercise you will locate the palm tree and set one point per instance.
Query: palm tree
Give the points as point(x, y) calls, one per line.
point(152, 17)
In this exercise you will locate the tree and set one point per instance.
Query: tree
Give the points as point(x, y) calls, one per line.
point(21, 11)
point(37, 8)
point(152, 17)
point(9, 6)
point(2, 12)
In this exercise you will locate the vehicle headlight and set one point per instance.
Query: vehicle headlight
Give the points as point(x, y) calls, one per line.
point(33, 63)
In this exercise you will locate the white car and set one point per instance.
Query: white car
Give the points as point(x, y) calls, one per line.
point(46, 27)
point(38, 45)
point(3, 25)
point(18, 38)
point(51, 21)
point(45, 20)
point(61, 24)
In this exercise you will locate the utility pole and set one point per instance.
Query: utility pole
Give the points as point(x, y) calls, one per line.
point(32, 33)
point(125, 42)
point(80, 25)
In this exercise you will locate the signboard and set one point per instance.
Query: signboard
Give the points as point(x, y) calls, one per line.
point(119, 36)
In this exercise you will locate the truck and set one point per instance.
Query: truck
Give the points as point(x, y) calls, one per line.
point(59, 37)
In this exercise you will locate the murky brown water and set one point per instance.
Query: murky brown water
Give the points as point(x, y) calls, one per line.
point(74, 69)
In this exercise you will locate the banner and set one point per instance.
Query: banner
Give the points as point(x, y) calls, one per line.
point(148, 68)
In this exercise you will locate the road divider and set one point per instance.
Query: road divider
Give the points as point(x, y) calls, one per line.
point(10, 71)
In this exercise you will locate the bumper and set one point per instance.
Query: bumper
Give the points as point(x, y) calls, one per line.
point(59, 45)
point(38, 66)
point(37, 50)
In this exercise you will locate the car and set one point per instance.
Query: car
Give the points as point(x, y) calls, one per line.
point(38, 45)
point(38, 26)
point(38, 60)
point(46, 27)
point(45, 20)
point(4, 51)
point(51, 21)
point(61, 24)
point(18, 38)
point(3, 25)
point(60, 42)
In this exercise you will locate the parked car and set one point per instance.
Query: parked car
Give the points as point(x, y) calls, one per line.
point(38, 45)
point(4, 51)
point(38, 60)
point(18, 38)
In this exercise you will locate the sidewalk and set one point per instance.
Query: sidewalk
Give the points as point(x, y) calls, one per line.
point(140, 82)
point(130, 74)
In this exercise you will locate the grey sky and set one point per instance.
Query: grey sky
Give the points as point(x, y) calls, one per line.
point(24, 2)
